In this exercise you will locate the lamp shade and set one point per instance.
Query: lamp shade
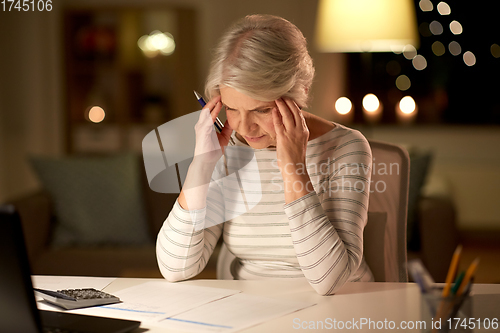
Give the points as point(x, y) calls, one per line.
point(366, 25)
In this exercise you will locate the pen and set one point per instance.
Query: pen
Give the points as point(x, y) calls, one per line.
point(459, 280)
point(421, 276)
point(218, 124)
point(418, 280)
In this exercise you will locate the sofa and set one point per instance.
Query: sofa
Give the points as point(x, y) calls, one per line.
point(434, 231)
point(110, 257)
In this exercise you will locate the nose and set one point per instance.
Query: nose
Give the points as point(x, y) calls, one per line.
point(247, 123)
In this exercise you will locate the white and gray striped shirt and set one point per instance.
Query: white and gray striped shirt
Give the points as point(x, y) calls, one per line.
point(318, 237)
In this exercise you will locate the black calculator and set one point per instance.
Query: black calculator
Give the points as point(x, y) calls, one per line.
point(77, 298)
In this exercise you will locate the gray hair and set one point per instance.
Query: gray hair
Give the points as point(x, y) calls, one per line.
point(264, 57)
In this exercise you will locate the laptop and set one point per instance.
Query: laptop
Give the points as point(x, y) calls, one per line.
point(18, 310)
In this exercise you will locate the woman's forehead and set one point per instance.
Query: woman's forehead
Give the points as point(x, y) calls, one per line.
point(234, 99)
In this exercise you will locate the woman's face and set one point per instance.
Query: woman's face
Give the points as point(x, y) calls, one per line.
point(250, 118)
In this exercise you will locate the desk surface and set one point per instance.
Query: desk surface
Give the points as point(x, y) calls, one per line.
point(372, 301)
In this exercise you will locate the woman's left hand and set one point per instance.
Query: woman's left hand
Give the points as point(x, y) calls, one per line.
point(292, 135)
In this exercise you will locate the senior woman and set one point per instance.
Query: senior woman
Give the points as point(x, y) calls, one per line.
point(313, 175)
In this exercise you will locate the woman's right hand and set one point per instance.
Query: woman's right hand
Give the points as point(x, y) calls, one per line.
point(210, 144)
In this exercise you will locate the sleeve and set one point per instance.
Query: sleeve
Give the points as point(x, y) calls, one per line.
point(187, 238)
point(327, 225)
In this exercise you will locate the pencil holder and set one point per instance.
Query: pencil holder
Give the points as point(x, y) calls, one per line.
point(449, 314)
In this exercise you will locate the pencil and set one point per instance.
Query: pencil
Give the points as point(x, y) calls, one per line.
point(468, 275)
point(449, 280)
point(452, 270)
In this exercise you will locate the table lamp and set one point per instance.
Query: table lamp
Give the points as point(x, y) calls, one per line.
point(366, 26)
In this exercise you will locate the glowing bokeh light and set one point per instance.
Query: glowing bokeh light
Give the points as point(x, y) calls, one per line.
point(454, 48)
point(371, 103)
point(456, 28)
point(424, 30)
point(403, 82)
point(157, 42)
point(443, 8)
point(407, 105)
point(96, 114)
point(469, 58)
point(436, 28)
point(419, 62)
point(426, 5)
point(409, 52)
point(343, 105)
point(438, 48)
point(495, 50)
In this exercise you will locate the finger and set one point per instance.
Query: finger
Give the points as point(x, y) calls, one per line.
point(214, 106)
point(286, 115)
point(211, 103)
point(277, 121)
point(216, 110)
point(295, 110)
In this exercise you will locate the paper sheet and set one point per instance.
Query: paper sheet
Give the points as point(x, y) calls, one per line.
point(232, 314)
point(153, 301)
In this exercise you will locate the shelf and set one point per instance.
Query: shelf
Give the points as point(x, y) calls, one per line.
point(105, 67)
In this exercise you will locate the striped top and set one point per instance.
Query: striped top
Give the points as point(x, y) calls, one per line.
point(318, 237)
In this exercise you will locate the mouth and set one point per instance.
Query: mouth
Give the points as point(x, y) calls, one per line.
point(253, 138)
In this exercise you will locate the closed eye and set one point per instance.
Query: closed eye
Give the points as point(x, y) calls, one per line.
point(228, 108)
point(264, 110)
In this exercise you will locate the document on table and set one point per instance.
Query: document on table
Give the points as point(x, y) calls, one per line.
point(153, 301)
point(232, 314)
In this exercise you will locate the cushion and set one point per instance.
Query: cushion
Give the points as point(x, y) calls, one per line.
point(97, 200)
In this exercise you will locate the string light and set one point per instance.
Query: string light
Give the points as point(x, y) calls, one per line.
point(426, 5)
point(371, 103)
point(455, 48)
point(456, 27)
point(409, 52)
point(407, 105)
point(438, 48)
point(495, 50)
point(343, 105)
point(96, 114)
point(436, 28)
point(469, 58)
point(443, 8)
point(424, 30)
point(403, 82)
point(419, 62)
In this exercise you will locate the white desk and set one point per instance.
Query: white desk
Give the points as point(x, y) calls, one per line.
point(373, 301)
